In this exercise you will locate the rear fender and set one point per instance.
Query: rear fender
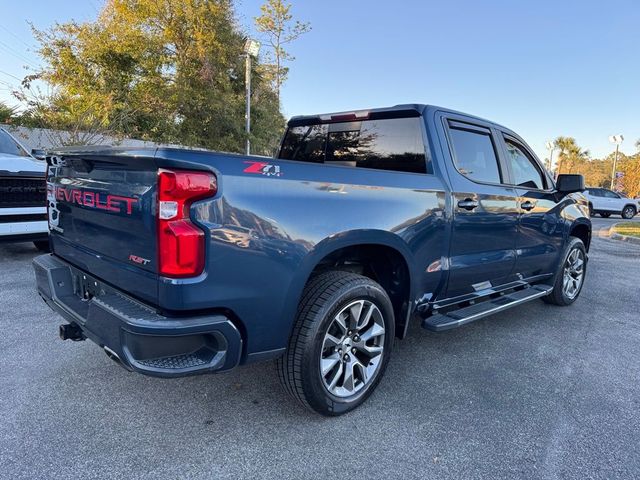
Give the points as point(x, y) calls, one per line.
point(335, 243)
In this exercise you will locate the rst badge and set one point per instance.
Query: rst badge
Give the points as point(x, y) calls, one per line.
point(139, 260)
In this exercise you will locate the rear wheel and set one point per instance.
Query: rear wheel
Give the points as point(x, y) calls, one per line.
point(570, 276)
point(341, 343)
point(628, 212)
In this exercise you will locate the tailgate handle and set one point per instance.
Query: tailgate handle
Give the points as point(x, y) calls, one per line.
point(468, 204)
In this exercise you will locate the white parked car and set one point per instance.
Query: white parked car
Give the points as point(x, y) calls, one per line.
point(607, 202)
point(23, 195)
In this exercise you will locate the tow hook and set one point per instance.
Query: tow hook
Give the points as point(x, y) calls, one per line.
point(71, 331)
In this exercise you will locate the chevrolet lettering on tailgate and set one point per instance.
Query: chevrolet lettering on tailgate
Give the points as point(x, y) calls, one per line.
point(90, 199)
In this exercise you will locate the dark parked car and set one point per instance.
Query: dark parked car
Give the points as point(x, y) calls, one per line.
point(179, 262)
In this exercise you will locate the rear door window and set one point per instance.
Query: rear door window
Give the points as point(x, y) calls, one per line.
point(475, 154)
point(386, 144)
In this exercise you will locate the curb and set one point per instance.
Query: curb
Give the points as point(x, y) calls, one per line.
point(623, 238)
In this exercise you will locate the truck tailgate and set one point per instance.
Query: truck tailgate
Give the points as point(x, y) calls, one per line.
point(102, 216)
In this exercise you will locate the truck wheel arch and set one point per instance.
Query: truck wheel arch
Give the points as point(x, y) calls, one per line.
point(382, 256)
point(581, 230)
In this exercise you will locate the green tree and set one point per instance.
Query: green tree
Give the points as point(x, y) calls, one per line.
point(169, 71)
point(630, 167)
point(569, 154)
point(277, 24)
point(6, 113)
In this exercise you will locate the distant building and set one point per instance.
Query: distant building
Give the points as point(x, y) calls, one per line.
point(44, 138)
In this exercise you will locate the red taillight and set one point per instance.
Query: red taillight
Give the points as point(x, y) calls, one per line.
point(180, 242)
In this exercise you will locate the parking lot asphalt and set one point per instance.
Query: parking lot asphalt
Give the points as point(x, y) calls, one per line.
point(535, 392)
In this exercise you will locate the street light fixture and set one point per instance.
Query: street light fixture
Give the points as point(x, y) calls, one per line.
point(251, 49)
point(617, 139)
point(551, 147)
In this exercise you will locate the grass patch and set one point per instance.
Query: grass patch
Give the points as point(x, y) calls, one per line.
point(630, 229)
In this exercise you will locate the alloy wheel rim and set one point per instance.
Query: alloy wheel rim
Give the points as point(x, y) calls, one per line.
point(573, 273)
point(352, 348)
point(628, 212)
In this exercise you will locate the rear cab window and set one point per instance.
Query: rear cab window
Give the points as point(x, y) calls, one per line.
point(394, 144)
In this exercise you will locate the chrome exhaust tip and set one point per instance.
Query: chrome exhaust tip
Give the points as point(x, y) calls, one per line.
point(112, 355)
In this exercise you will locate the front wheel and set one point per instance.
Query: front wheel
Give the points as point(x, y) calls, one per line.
point(570, 275)
point(341, 343)
point(628, 212)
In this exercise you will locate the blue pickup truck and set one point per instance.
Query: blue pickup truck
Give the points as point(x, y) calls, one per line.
point(178, 262)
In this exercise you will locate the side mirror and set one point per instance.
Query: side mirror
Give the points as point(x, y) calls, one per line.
point(569, 183)
point(39, 154)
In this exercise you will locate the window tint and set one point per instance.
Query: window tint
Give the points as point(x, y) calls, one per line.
point(525, 171)
point(385, 144)
point(610, 194)
point(10, 146)
point(306, 143)
point(475, 156)
point(393, 144)
point(343, 144)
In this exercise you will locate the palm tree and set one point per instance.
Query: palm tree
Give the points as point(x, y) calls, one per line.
point(569, 151)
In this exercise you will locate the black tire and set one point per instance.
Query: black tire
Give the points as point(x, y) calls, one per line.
point(628, 212)
point(557, 295)
point(323, 298)
point(605, 214)
point(591, 212)
point(42, 245)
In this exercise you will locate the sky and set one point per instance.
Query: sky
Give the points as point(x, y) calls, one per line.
point(542, 68)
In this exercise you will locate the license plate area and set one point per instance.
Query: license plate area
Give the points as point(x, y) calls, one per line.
point(85, 287)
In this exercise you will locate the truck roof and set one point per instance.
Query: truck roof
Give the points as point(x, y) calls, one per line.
point(405, 109)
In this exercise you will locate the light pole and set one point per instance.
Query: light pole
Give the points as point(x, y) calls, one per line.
point(551, 148)
point(617, 139)
point(251, 49)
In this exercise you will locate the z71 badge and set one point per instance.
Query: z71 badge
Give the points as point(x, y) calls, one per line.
point(263, 168)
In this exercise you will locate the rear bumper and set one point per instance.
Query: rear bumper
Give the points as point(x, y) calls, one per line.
point(133, 333)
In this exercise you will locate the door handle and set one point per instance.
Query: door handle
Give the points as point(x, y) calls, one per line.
point(468, 204)
point(527, 205)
